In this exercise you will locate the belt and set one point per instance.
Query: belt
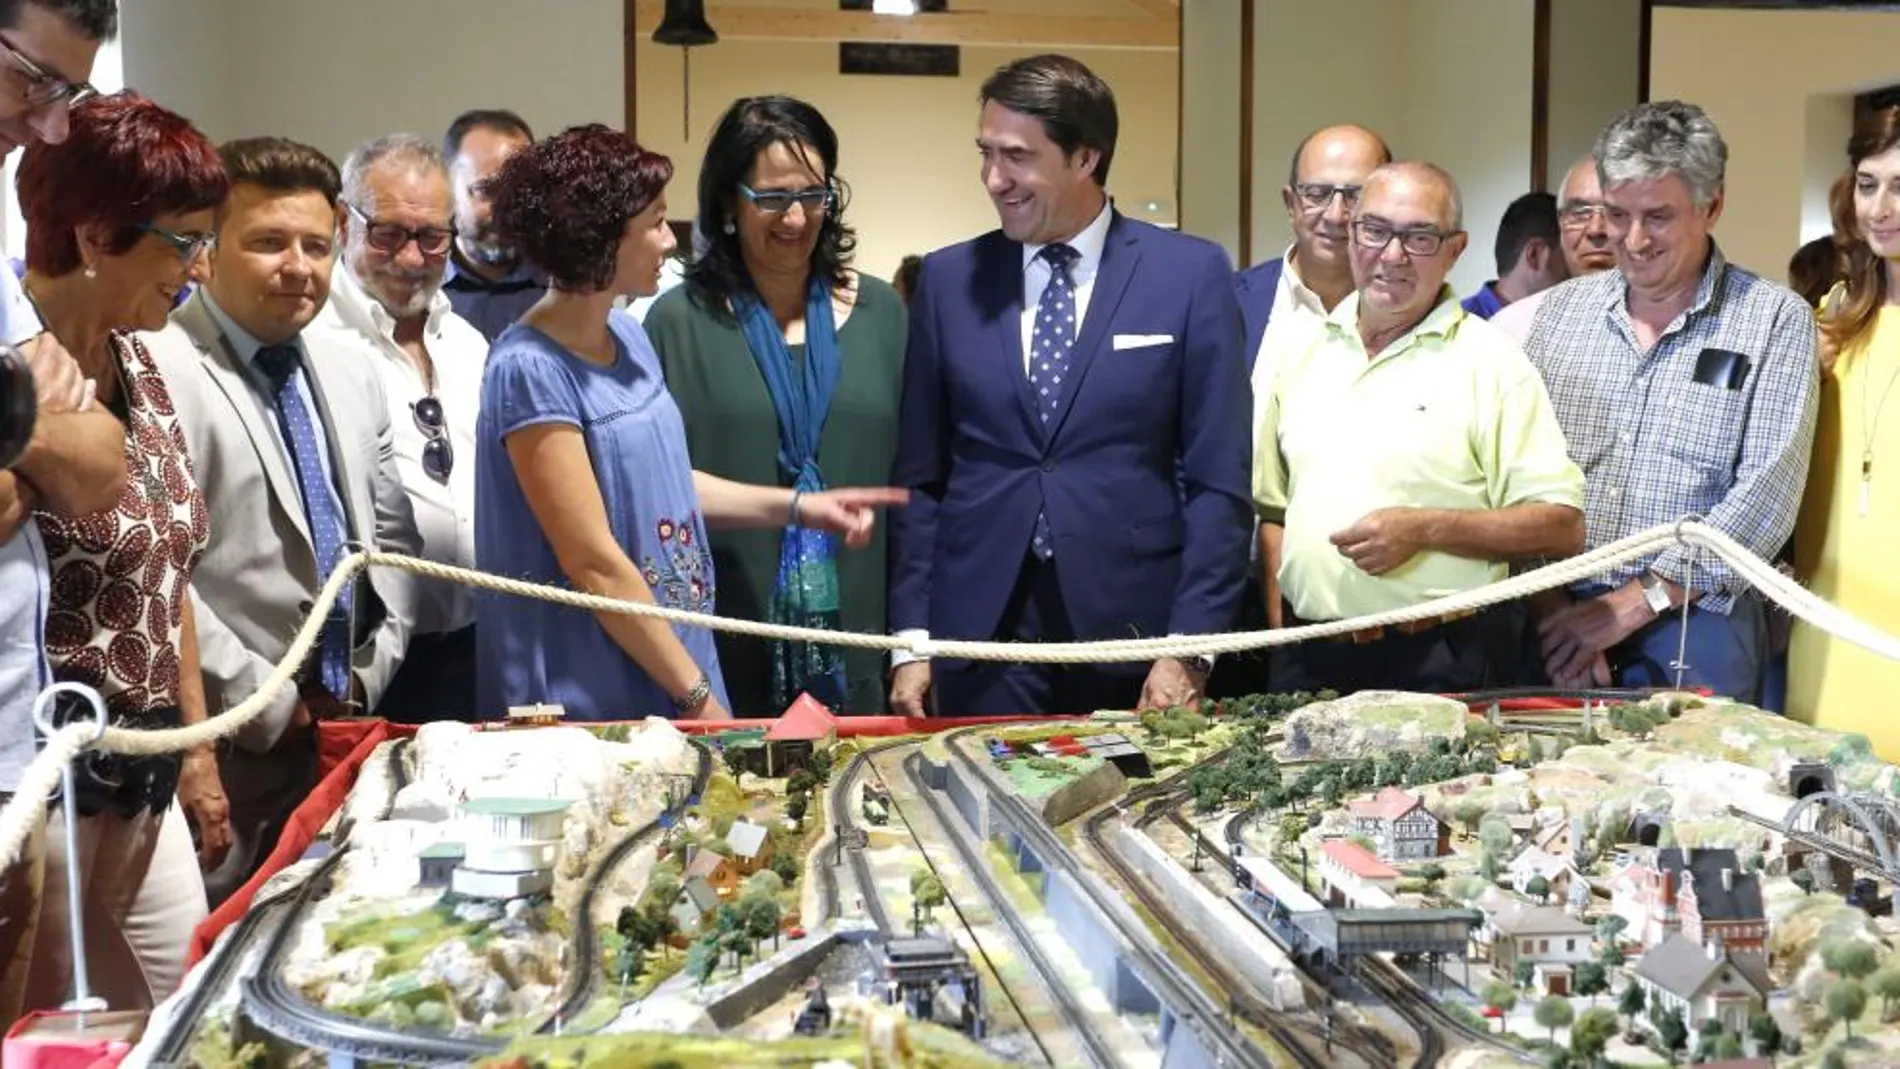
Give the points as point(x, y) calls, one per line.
point(1408, 627)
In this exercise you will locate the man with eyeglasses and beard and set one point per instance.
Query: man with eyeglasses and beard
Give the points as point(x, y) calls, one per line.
point(1585, 241)
point(1410, 453)
point(398, 228)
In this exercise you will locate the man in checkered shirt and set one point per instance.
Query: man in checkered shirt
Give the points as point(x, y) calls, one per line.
point(1686, 387)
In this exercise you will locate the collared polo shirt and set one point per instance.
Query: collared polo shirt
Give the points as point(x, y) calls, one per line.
point(1296, 319)
point(492, 307)
point(1449, 416)
point(1485, 303)
point(1715, 420)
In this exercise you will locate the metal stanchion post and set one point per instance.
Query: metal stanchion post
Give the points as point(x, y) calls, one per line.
point(1680, 665)
point(83, 1000)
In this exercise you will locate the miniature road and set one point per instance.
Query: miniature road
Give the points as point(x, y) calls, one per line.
point(1079, 1023)
point(278, 1008)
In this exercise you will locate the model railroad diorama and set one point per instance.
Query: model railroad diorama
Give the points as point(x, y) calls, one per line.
point(1382, 879)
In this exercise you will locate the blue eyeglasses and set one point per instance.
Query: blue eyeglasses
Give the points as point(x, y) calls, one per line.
point(777, 201)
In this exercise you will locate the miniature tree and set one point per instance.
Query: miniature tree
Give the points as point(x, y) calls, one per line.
point(1727, 1045)
point(1554, 1012)
point(1885, 984)
point(1500, 997)
point(1539, 888)
point(762, 884)
point(1292, 826)
point(1712, 1031)
point(762, 917)
point(738, 942)
point(1766, 1032)
point(1630, 1005)
point(1845, 1001)
point(786, 866)
point(1834, 1059)
point(1488, 866)
point(1524, 973)
point(1610, 927)
point(926, 891)
point(795, 807)
point(1671, 1031)
point(1470, 812)
point(1466, 888)
point(1431, 871)
point(1851, 960)
point(1591, 980)
point(1496, 837)
point(1533, 750)
point(1332, 793)
point(819, 765)
point(1592, 1034)
point(1804, 879)
point(702, 960)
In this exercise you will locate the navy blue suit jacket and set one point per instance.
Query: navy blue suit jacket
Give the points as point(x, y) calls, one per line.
point(1143, 472)
point(1255, 288)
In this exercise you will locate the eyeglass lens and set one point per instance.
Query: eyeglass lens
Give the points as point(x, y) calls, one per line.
point(438, 457)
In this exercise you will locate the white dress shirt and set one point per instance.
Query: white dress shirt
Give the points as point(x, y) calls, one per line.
point(1088, 263)
point(1299, 317)
point(445, 512)
point(23, 576)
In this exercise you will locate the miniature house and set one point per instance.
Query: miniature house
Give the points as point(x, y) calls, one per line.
point(1705, 982)
point(1401, 826)
point(1547, 937)
point(697, 902)
point(1700, 892)
point(436, 864)
point(805, 728)
point(715, 868)
point(1558, 872)
point(511, 846)
point(749, 846)
point(537, 715)
point(1353, 876)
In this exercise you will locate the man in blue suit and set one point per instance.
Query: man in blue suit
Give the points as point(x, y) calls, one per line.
point(1073, 428)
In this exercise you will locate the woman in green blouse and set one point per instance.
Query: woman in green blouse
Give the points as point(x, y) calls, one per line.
point(786, 365)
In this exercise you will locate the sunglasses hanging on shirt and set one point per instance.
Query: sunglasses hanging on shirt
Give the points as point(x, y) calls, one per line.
point(438, 457)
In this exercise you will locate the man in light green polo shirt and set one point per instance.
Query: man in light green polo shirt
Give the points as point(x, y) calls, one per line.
point(1409, 453)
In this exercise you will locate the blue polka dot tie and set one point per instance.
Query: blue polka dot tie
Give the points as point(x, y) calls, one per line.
point(1051, 341)
point(282, 364)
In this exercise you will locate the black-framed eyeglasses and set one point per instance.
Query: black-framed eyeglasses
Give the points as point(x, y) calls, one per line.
point(438, 456)
point(43, 87)
point(187, 246)
point(1318, 195)
point(391, 237)
point(1373, 234)
point(1582, 214)
point(775, 201)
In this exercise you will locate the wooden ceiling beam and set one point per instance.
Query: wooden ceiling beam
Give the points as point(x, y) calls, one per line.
point(739, 23)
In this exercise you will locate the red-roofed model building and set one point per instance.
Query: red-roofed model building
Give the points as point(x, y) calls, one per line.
point(1400, 826)
point(805, 728)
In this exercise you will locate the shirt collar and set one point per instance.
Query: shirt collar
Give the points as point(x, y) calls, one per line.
point(1705, 291)
point(1295, 287)
point(1087, 245)
point(459, 278)
point(1441, 322)
point(364, 313)
point(243, 342)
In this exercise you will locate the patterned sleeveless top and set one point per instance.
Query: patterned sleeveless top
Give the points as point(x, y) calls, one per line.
point(120, 575)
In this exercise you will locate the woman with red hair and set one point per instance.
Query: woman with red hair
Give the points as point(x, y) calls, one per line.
point(117, 215)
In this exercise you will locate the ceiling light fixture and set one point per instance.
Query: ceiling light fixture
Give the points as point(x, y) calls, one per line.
point(893, 7)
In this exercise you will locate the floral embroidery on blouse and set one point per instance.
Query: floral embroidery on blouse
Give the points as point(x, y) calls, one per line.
point(681, 573)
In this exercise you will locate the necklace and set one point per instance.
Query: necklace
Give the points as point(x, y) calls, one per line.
point(1867, 431)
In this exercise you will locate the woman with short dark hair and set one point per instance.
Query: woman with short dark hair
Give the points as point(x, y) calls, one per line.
point(787, 365)
point(582, 473)
point(117, 215)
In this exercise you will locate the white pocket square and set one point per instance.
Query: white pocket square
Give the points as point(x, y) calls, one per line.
point(1141, 341)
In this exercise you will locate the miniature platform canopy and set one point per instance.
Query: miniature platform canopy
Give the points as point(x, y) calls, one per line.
point(515, 807)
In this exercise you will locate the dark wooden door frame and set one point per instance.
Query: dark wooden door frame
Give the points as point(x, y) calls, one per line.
point(1245, 246)
point(1540, 96)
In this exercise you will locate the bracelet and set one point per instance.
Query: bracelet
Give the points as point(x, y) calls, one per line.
point(695, 696)
point(794, 510)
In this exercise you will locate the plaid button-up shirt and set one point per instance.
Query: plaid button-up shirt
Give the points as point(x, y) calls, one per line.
point(1717, 420)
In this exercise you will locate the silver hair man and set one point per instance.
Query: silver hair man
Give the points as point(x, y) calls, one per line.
point(1655, 139)
point(400, 221)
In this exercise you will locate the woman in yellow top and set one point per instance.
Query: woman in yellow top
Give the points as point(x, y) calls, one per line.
point(1850, 518)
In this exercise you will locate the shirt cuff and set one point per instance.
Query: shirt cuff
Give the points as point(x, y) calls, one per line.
point(899, 658)
point(1209, 657)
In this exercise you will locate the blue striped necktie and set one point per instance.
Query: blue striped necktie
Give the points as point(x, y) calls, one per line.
point(282, 364)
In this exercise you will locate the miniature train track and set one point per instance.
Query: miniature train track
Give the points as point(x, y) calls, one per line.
point(845, 818)
point(585, 969)
point(1192, 1005)
point(280, 1009)
point(1163, 799)
point(1099, 1052)
point(1403, 993)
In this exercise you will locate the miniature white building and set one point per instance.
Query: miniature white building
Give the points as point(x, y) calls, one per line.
point(511, 846)
point(1550, 939)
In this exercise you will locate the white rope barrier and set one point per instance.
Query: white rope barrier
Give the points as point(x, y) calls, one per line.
point(40, 778)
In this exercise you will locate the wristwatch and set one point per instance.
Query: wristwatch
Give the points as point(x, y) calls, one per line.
point(1199, 666)
point(1656, 593)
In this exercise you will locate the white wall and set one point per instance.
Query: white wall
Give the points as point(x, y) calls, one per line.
point(1595, 67)
point(1830, 122)
point(1210, 123)
point(1758, 74)
point(1416, 76)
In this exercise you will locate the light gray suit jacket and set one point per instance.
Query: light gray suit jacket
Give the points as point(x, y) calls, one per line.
point(259, 575)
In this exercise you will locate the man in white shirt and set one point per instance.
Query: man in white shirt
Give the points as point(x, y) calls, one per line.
point(398, 226)
point(1284, 303)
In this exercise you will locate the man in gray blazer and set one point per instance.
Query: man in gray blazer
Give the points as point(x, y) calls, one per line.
point(290, 438)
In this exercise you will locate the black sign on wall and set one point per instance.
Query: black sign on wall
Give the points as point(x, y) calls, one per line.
point(867, 57)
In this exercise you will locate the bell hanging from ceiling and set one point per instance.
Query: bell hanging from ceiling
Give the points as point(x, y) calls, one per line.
point(683, 25)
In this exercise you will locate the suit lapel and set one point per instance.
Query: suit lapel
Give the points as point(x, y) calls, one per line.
point(1001, 272)
point(228, 373)
point(1120, 253)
